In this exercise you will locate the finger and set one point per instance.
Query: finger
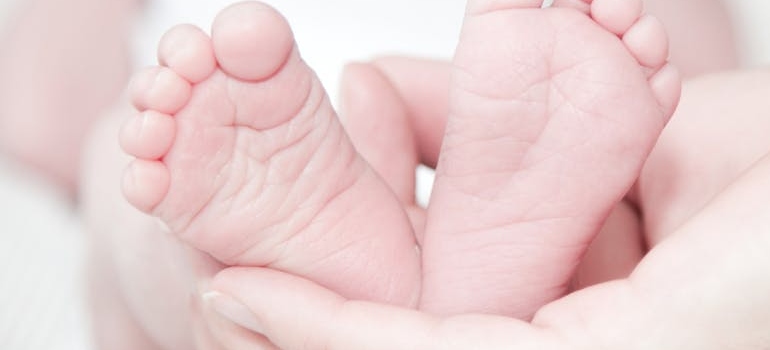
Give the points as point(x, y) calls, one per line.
point(223, 334)
point(378, 123)
point(697, 155)
point(719, 259)
point(202, 336)
point(424, 89)
point(702, 287)
point(296, 314)
point(615, 251)
point(376, 120)
point(423, 80)
point(698, 265)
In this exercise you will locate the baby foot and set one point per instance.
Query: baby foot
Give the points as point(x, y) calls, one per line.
point(240, 153)
point(553, 112)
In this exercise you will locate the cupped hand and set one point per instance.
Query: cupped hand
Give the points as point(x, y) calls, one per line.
point(395, 88)
point(705, 287)
point(703, 271)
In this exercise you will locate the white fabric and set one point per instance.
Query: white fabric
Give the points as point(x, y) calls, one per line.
point(42, 299)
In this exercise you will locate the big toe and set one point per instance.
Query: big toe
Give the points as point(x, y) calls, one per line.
point(251, 40)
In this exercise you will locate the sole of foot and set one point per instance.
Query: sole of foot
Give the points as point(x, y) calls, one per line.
point(240, 153)
point(553, 112)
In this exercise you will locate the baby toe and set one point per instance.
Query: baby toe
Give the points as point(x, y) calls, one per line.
point(616, 16)
point(148, 135)
point(145, 183)
point(187, 50)
point(647, 41)
point(159, 89)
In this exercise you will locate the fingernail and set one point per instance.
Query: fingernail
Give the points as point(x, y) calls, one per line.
point(233, 310)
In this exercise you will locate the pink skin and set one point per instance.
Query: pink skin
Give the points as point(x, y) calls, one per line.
point(533, 161)
point(707, 227)
point(143, 280)
point(49, 137)
point(710, 247)
point(62, 67)
point(377, 120)
point(711, 270)
point(705, 231)
point(120, 233)
point(235, 147)
point(240, 153)
point(702, 37)
point(421, 85)
point(700, 119)
point(424, 136)
point(57, 161)
point(718, 130)
point(184, 136)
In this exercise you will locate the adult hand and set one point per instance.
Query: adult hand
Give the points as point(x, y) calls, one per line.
point(681, 293)
point(663, 211)
point(705, 287)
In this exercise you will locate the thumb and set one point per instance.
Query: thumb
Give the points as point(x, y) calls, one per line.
point(296, 314)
